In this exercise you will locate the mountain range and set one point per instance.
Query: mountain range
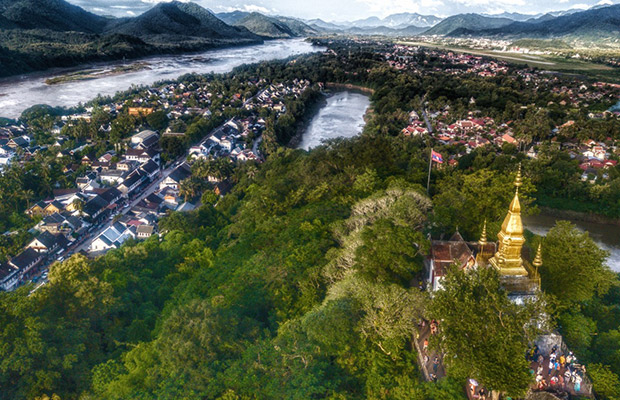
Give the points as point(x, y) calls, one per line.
point(593, 24)
point(599, 22)
point(268, 27)
point(39, 34)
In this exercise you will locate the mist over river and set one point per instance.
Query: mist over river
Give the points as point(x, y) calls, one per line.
point(18, 93)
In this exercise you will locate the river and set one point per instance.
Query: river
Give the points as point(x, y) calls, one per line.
point(21, 92)
point(606, 236)
point(341, 116)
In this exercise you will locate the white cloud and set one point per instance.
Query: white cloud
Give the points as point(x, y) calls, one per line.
point(579, 6)
point(382, 8)
point(605, 3)
point(491, 3)
point(247, 8)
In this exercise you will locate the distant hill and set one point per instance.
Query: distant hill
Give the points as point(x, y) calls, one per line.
point(470, 22)
point(513, 16)
point(320, 24)
point(299, 28)
point(295, 26)
point(55, 15)
point(266, 27)
point(178, 19)
point(386, 31)
point(232, 17)
point(394, 21)
point(410, 19)
point(600, 22)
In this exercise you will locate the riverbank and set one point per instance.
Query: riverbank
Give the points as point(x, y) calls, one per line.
point(96, 73)
point(304, 123)
point(349, 87)
point(579, 216)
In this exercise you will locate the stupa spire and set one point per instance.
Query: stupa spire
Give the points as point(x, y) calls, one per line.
point(538, 262)
point(508, 257)
point(483, 236)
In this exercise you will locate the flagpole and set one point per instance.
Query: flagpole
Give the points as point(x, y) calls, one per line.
point(430, 163)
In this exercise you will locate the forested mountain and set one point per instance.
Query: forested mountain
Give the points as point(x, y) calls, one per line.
point(298, 27)
point(277, 25)
point(266, 27)
point(56, 15)
point(181, 19)
point(232, 17)
point(467, 21)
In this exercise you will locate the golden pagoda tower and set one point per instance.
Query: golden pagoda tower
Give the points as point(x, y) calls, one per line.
point(481, 257)
point(538, 259)
point(508, 257)
point(538, 262)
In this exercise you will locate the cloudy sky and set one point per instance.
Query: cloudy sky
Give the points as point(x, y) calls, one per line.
point(338, 10)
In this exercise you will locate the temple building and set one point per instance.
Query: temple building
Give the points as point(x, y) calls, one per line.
point(518, 276)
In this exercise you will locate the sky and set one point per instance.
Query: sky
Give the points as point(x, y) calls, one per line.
point(348, 10)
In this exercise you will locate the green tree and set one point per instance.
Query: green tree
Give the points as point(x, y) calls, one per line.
point(484, 334)
point(390, 253)
point(464, 201)
point(157, 120)
point(574, 268)
point(606, 384)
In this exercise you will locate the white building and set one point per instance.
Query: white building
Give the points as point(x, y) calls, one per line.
point(112, 238)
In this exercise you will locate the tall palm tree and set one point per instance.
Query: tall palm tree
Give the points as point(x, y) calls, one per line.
point(78, 205)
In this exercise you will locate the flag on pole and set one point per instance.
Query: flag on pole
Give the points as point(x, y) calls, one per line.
point(436, 157)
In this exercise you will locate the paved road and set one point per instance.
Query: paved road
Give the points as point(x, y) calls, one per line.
point(428, 123)
point(153, 186)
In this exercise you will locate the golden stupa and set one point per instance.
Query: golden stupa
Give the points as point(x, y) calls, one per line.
point(508, 258)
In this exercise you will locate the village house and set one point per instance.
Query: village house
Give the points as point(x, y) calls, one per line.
point(173, 180)
point(140, 111)
point(9, 277)
point(25, 261)
point(145, 231)
point(144, 140)
point(112, 238)
point(63, 223)
point(47, 242)
point(94, 208)
point(131, 183)
point(141, 155)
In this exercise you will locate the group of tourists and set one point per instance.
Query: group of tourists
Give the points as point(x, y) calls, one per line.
point(434, 367)
point(558, 371)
